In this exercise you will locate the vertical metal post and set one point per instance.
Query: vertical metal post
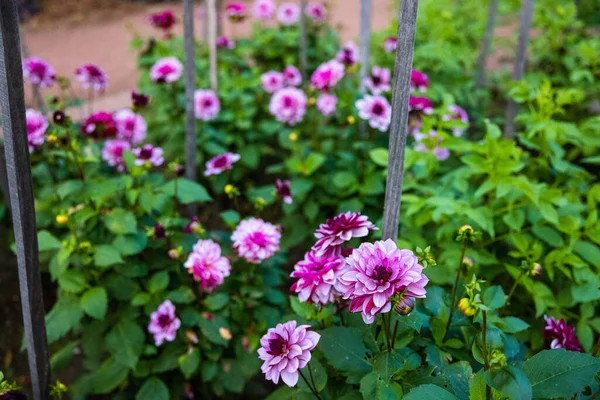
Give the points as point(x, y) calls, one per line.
point(303, 42)
point(190, 88)
point(212, 42)
point(12, 101)
point(486, 44)
point(365, 41)
point(399, 123)
point(512, 107)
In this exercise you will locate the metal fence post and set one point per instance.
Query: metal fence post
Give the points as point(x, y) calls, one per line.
point(399, 123)
point(486, 44)
point(12, 101)
point(212, 42)
point(190, 88)
point(365, 41)
point(303, 42)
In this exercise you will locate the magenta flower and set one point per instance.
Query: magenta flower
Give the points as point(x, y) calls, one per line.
point(272, 81)
point(158, 231)
point(288, 13)
point(112, 153)
point(431, 143)
point(560, 335)
point(207, 265)
point(255, 240)
point(166, 70)
point(38, 72)
point(327, 75)
point(225, 42)
point(389, 44)
point(285, 349)
point(288, 105)
point(418, 81)
point(164, 323)
point(139, 100)
point(420, 104)
point(456, 113)
point(220, 163)
point(291, 76)
point(340, 229)
point(264, 9)
point(130, 126)
point(326, 103)
point(148, 154)
point(316, 277)
point(36, 125)
point(164, 20)
point(91, 76)
point(375, 272)
point(284, 191)
point(376, 110)
point(236, 11)
point(379, 81)
point(206, 105)
point(316, 11)
point(348, 55)
point(100, 125)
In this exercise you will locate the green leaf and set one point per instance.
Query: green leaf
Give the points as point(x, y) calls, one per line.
point(63, 357)
point(72, 281)
point(429, 391)
point(153, 389)
point(230, 217)
point(216, 301)
point(187, 191)
point(125, 342)
point(560, 373)
point(387, 364)
point(47, 241)
point(95, 302)
point(548, 235)
point(510, 381)
point(375, 388)
point(129, 245)
point(189, 363)
point(514, 219)
point(158, 282)
point(343, 179)
point(494, 297)
point(140, 299)
point(344, 350)
point(106, 378)
point(589, 251)
point(513, 325)
point(458, 375)
point(319, 374)
point(379, 156)
point(183, 295)
point(64, 316)
point(106, 256)
point(283, 393)
point(312, 163)
point(548, 212)
point(120, 221)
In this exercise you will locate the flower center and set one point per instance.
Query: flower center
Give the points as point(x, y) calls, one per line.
point(258, 238)
point(378, 109)
point(220, 162)
point(381, 274)
point(287, 102)
point(207, 103)
point(145, 154)
point(164, 321)
point(277, 346)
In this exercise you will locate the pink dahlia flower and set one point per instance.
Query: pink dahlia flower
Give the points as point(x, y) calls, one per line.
point(291, 76)
point(340, 229)
point(376, 110)
point(379, 81)
point(389, 44)
point(316, 277)
point(420, 104)
point(36, 126)
point(418, 81)
point(457, 113)
point(91, 76)
point(264, 9)
point(225, 42)
point(288, 105)
point(148, 154)
point(286, 349)
point(255, 240)
point(164, 323)
point(348, 55)
point(100, 125)
point(236, 11)
point(375, 272)
point(166, 70)
point(560, 335)
point(431, 143)
point(284, 191)
point(272, 81)
point(326, 103)
point(38, 72)
point(130, 126)
point(164, 20)
point(206, 105)
point(327, 75)
point(221, 163)
point(288, 13)
point(316, 11)
point(112, 153)
point(207, 265)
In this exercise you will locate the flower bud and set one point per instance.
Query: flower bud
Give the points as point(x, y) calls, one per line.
point(293, 136)
point(225, 333)
point(465, 230)
point(191, 336)
point(59, 117)
point(229, 189)
point(52, 139)
point(468, 262)
point(312, 101)
point(174, 254)
point(62, 219)
point(466, 307)
point(404, 305)
point(535, 269)
point(351, 120)
point(497, 359)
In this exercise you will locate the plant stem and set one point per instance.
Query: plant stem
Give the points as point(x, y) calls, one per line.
point(312, 380)
point(394, 334)
point(595, 396)
point(455, 287)
point(512, 290)
point(387, 333)
point(486, 362)
point(309, 386)
point(596, 349)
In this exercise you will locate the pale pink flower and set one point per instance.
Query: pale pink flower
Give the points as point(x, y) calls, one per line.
point(288, 13)
point(38, 72)
point(91, 76)
point(316, 277)
point(225, 42)
point(418, 81)
point(348, 55)
point(316, 11)
point(326, 103)
point(264, 9)
point(166, 70)
point(256, 240)
point(272, 81)
point(148, 154)
point(221, 163)
point(389, 44)
point(207, 265)
point(112, 153)
point(36, 125)
point(130, 126)
point(327, 75)
point(286, 349)
point(340, 229)
point(458, 114)
point(206, 104)
point(376, 110)
point(164, 323)
point(288, 105)
point(291, 76)
point(379, 81)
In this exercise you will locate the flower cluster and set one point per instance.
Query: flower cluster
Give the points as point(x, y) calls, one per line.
point(379, 81)
point(130, 126)
point(91, 76)
point(206, 264)
point(288, 105)
point(225, 42)
point(389, 44)
point(236, 11)
point(206, 105)
point(100, 125)
point(148, 154)
point(327, 75)
point(317, 275)
point(164, 20)
point(112, 153)
point(288, 13)
point(417, 107)
point(375, 109)
point(256, 240)
point(560, 335)
point(221, 163)
point(456, 113)
point(418, 81)
point(316, 12)
point(283, 190)
point(326, 103)
point(264, 9)
point(166, 70)
point(38, 72)
point(36, 126)
point(273, 81)
point(348, 54)
point(340, 229)
point(164, 323)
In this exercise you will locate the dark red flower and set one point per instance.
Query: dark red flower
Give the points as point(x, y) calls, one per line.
point(560, 335)
point(100, 125)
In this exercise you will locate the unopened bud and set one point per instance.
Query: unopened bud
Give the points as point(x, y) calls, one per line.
point(191, 336)
point(62, 219)
point(466, 307)
point(225, 333)
point(404, 305)
point(293, 136)
point(536, 269)
point(468, 262)
point(351, 120)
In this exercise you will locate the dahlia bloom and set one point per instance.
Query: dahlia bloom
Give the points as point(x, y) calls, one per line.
point(130, 126)
point(100, 125)
point(420, 104)
point(288, 105)
point(38, 72)
point(206, 105)
point(236, 11)
point(560, 335)
point(148, 154)
point(272, 81)
point(255, 240)
point(376, 110)
point(288, 13)
point(316, 11)
point(264, 9)
point(389, 44)
point(379, 81)
point(326, 103)
point(283, 190)
point(225, 42)
point(164, 20)
point(456, 113)
point(164, 323)
point(340, 229)
point(291, 76)
point(166, 70)
point(327, 75)
point(139, 100)
point(36, 126)
point(207, 265)
point(375, 272)
point(112, 153)
point(91, 75)
point(348, 55)
point(418, 81)
point(220, 163)
point(316, 277)
point(285, 349)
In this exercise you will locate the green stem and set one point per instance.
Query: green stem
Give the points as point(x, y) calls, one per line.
point(386, 333)
point(484, 349)
point(394, 334)
point(309, 386)
point(596, 349)
point(514, 286)
point(455, 287)
point(312, 379)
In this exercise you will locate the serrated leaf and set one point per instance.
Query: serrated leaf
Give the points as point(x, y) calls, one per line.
point(125, 342)
point(344, 350)
point(95, 302)
point(429, 392)
point(106, 256)
point(189, 363)
point(153, 389)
